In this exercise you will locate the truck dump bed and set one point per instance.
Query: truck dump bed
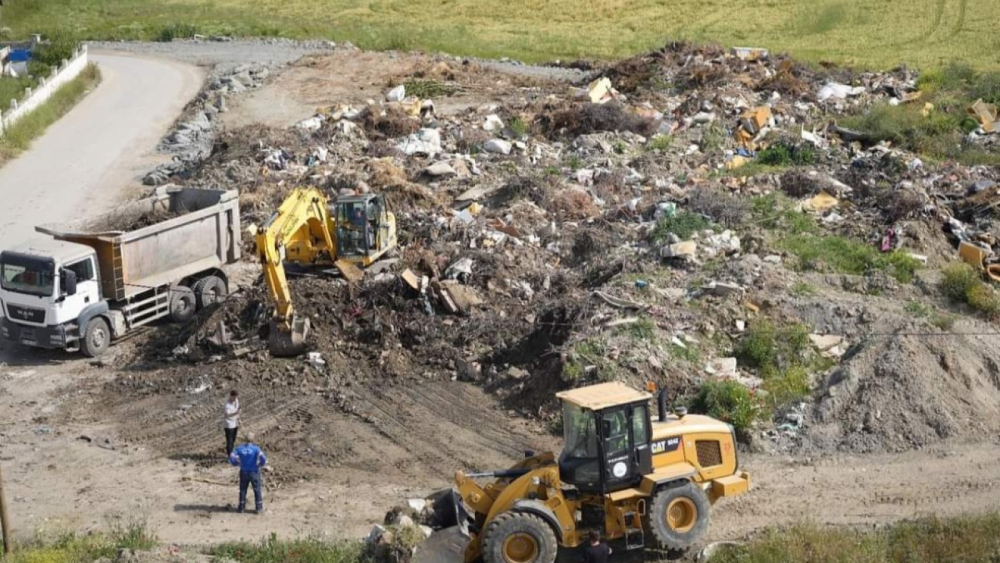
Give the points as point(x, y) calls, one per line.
point(162, 239)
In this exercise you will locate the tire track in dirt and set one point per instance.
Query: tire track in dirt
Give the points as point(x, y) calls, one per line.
point(863, 489)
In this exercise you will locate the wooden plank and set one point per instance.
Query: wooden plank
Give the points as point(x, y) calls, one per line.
point(350, 272)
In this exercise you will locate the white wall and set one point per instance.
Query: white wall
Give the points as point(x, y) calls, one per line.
point(47, 86)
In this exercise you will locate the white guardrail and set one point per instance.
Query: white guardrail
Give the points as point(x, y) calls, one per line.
point(34, 97)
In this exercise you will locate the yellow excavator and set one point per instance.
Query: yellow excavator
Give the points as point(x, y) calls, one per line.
point(308, 230)
point(620, 473)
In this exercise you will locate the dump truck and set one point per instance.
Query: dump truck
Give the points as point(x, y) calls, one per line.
point(621, 473)
point(94, 280)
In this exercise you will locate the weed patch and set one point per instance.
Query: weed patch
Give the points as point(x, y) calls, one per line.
point(273, 550)
point(846, 256)
point(961, 283)
point(684, 224)
point(929, 540)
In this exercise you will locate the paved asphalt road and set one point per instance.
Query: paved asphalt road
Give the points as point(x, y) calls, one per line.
point(85, 162)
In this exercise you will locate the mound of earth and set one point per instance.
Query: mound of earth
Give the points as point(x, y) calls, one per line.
point(899, 393)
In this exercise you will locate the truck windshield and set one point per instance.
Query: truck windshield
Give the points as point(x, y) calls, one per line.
point(23, 274)
point(579, 432)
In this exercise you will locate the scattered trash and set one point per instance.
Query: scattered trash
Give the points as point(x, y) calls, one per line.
point(838, 91)
point(397, 94)
point(498, 146)
point(315, 360)
point(986, 114)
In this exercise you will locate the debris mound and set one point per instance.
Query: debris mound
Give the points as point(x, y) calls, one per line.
point(908, 392)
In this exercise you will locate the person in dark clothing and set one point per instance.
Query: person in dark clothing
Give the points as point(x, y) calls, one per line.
point(596, 552)
point(250, 459)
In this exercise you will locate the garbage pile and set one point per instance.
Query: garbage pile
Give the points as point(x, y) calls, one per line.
point(563, 234)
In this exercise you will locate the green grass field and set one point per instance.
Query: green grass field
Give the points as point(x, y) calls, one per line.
point(869, 33)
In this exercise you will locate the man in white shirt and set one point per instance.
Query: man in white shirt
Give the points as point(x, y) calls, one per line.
point(232, 420)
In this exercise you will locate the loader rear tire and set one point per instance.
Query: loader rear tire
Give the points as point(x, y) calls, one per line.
point(210, 290)
point(515, 537)
point(679, 516)
point(183, 304)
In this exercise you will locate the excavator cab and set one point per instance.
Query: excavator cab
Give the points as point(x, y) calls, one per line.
point(365, 228)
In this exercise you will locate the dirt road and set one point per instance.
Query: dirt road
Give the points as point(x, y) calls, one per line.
point(90, 156)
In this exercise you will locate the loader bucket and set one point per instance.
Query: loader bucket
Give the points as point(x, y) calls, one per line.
point(283, 340)
point(451, 522)
point(444, 546)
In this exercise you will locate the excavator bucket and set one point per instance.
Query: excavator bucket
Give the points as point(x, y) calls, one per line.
point(288, 341)
point(451, 524)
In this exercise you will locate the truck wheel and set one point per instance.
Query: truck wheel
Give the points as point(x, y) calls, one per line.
point(210, 290)
point(182, 304)
point(679, 516)
point(519, 538)
point(96, 338)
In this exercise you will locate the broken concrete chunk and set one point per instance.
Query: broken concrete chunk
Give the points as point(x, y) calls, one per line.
point(440, 169)
point(722, 288)
point(725, 367)
point(493, 123)
point(498, 146)
point(824, 343)
point(686, 249)
point(311, 124)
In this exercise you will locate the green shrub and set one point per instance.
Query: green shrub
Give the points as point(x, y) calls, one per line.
point(787, 386)
point(683, 224)
point(176, 31)
point(957, 280)
point(961, 283)
point(786, 155)
point(518, 127)
point(766, 347)
point(729, 402)
point(661, 142)
point(428, 88)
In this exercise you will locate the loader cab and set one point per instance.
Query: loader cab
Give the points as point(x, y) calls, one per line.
point(365, 227)
point(606, 433)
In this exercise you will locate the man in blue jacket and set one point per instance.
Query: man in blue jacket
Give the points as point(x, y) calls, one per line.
point(250, 458)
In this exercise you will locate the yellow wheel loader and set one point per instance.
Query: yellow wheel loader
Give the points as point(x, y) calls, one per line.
point(620, 473)
point(308, 230)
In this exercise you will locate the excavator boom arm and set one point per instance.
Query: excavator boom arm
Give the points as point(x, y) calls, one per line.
point(302, 219)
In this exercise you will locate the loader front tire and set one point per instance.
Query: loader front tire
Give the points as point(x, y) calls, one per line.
point(679, 516)
point(515, 537)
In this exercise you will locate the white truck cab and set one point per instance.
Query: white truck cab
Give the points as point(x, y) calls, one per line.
point(49, 292)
